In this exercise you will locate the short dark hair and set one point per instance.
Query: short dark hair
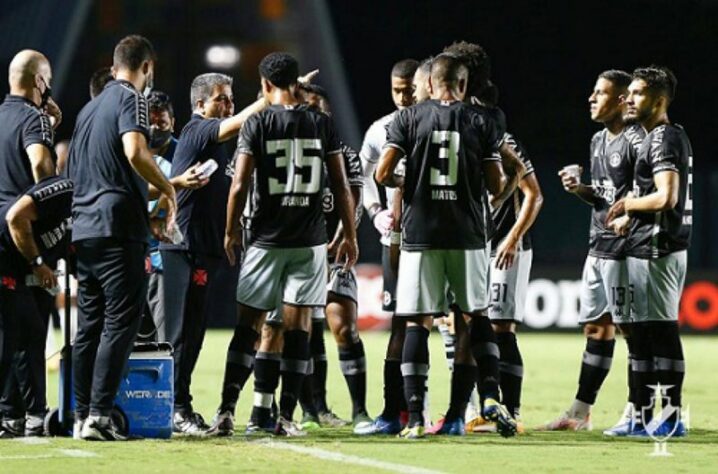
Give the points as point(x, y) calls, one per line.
point(447, 69)
point(620, 79)
point(159, 101)
point(99, 80)
point(202, 86)
point(132, 51)
point(405, 68)
point(476, 60)
point(659, 79)
point(281, 69)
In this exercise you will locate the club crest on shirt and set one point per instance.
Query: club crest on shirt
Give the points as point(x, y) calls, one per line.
point(615, 159)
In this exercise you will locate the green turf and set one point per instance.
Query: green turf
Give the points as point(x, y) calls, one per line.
point(552, 363)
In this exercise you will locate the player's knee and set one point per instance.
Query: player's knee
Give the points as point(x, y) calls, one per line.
point(600, 330)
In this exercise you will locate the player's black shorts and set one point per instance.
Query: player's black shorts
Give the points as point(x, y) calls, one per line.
point(390, 277)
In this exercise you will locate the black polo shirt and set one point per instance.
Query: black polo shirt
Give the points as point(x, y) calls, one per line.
point(23, 124)
point(53, 199)
point(110, 197)
point(202, 213)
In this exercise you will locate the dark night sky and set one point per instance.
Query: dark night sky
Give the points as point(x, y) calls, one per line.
point(545, 58)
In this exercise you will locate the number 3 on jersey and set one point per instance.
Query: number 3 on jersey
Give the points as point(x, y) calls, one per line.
point(289, 154)
point(448, 142)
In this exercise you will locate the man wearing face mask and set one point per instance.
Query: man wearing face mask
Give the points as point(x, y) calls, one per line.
point(110, 165)
point(26, 157)
point(163, 144)
point(24, 115)
point(191, 265)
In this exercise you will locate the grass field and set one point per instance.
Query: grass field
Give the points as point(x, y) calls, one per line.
point(552, 363)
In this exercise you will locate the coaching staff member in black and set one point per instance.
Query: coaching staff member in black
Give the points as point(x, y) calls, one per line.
point(189, 267)
point(110, 165)
point(32, 230)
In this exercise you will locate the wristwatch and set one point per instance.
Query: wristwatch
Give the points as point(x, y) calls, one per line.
point(37, 262)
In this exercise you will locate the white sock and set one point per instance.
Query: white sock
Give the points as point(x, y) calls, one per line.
point(579, 409)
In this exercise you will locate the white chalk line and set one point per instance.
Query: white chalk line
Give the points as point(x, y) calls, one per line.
point(61, 453)
point(347, 458)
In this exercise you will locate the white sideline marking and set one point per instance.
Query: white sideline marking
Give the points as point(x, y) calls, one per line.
point(347, 458)
point(78, 453)
point(32, 440)
point(61, 453)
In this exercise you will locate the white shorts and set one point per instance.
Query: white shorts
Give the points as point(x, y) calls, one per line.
point(425, 276)
point(270, 277)
point(342, 283)
point(604, 289)
point(657, 285)
point(507, 288)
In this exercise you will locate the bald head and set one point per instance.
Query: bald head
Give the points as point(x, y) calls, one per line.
point(25, 68)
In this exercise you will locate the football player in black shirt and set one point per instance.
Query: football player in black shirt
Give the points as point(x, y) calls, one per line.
point(281, 156)
point(450, 149)
point(341, 309)
point(379, 205)
point(191, 266)
point(32, 231)
point(658, 241)
point(110, 165)
point(604, 294)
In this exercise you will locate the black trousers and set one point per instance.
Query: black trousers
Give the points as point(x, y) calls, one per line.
point(112, 285)
point(24, 314)
point(187, 277)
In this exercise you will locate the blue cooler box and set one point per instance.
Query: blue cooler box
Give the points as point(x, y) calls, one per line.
point(146, 393)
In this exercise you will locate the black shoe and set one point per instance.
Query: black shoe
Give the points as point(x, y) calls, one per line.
point(190, 423)
point(13, 427)
point(35, 425)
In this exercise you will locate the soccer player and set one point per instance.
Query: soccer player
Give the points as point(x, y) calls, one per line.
point(604, 293)
point(281, 154)
point(341, 309)
point(110, 165)
point(449, 148)
point(32, 230)
point(191, 265)
point(378, 205)
point(658, 241)
point(99, 80)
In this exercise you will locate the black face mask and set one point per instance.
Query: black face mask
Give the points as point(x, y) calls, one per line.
point(45, 95)
point(158, 138)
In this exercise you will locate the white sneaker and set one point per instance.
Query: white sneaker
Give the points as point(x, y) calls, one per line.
point(77, 428)
point(101, 428)
point(624, 424)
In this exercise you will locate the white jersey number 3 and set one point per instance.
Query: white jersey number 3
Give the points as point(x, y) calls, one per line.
point(290, 155)
point(448, 142)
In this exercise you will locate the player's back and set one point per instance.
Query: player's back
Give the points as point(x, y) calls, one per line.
point(446, 144)
point(290, 145)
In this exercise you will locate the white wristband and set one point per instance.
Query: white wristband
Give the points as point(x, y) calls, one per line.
point(395, 238)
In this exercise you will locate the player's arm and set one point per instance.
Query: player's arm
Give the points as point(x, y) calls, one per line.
point(530, 207)
point(40, 161)
point(20, 218)
point(238, 192)
point(134, 145)
point(514, 169)
point(230, 127)
point(573, 185)
point(339, 234)
point(190, 179)
point(665, 197)
point(345, 207)
point(387, 164)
